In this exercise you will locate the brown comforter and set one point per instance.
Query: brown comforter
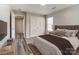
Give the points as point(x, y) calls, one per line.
point(63, 44)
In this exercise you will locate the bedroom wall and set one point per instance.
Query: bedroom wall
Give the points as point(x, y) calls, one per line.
point(27, 25)
point(68, 16)
point(5, 16)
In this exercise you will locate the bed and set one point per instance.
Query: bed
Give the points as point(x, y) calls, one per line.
point(48, 48)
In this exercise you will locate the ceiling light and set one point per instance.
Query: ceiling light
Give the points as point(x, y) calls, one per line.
point(43, 4)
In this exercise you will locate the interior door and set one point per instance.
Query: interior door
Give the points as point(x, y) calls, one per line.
point(19, 26)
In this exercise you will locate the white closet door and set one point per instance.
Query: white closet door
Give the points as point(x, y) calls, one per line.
point(37, 25)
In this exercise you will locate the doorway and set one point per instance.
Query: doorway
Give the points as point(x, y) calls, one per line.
point(19, 27)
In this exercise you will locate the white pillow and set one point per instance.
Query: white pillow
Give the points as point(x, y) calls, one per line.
point(60, 29)
point(71, 33)
point(68, 34)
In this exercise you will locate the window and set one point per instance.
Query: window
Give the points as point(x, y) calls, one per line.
point(50, 24)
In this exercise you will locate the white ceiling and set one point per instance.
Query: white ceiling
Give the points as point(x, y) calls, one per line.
point(39, 9)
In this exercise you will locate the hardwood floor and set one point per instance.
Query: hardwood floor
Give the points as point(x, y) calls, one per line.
point(34, 50)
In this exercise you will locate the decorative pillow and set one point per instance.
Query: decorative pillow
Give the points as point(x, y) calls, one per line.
point(65, 32)
point(71, 33)
point(68, 34)
point(58, 33)
point(77, 35)
point(60, 29)
point(74, 32)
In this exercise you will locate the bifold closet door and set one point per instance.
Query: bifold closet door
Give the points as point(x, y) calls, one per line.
point(37, 25)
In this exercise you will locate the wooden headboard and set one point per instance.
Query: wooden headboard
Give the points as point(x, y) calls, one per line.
point(71, 27)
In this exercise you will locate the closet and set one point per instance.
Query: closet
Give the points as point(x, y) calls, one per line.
point(37, 25)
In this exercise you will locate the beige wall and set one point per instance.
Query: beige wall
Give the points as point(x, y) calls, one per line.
point(5, 16)
point(27, 25)
point(68, 16)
